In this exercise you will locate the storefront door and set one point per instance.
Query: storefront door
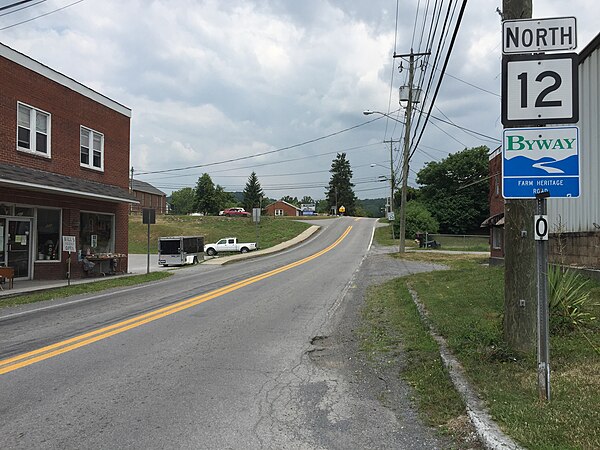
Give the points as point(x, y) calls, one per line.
point(18, 246)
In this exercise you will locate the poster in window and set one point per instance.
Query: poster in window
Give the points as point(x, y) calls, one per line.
point(94, 239)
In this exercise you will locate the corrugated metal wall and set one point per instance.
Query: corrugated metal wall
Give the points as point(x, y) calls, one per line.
point(580, 214)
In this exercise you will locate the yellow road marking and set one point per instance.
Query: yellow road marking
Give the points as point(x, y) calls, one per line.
point(26, 359)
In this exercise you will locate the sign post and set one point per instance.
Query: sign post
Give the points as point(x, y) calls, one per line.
point(543, 335)
point(148, 217)
point(256, 220)
point(69, 245)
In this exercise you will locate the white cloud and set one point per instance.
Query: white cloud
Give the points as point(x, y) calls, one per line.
point(210, 80)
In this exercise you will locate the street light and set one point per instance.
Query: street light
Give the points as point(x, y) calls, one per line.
point(405, 157)
point(368, 112)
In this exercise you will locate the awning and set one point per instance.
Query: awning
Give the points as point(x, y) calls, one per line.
point(25, 178)
point(495, 220)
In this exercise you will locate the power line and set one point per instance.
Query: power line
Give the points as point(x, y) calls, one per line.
point(22, 8)
point(452, 41)
point(2, 8)
point(256, 155)
point(41, 15)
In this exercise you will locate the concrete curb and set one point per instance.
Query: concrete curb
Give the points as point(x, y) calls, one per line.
point(488, 431)
point(222, 260)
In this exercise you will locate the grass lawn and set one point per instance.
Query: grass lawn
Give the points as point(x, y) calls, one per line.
point(466, 305)
point(271, 231)
point(83, 288)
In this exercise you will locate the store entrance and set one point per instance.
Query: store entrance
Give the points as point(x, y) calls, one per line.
point(16, 249)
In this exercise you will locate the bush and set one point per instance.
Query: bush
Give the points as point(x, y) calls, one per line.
point(418, 219)
point(567, 297)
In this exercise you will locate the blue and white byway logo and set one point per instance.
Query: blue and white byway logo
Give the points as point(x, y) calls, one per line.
point(539, 160)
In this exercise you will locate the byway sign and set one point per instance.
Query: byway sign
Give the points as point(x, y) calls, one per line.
point(536, 160)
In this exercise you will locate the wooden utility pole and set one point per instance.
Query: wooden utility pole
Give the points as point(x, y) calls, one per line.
point(406, 150)
point(520, 283)
point(392, 182)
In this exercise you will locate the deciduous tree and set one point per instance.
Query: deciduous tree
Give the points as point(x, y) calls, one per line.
point(183, 200)
point(455, 190)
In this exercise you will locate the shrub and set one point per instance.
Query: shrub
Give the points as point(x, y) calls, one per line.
point(418, 218)
point(567, 297)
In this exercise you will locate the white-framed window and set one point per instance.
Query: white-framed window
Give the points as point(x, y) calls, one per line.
point(33, 130)
point(279, 212)
point(91, 148)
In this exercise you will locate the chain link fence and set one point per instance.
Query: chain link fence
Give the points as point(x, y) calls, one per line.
point(458, 242)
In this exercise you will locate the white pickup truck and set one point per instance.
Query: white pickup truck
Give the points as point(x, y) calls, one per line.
point(229, 245)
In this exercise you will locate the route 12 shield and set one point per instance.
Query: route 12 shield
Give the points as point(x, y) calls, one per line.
point(536, 160)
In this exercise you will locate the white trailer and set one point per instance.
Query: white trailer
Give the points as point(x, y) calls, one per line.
point(179, 250)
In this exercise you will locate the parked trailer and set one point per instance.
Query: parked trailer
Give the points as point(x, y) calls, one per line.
point(179, 250)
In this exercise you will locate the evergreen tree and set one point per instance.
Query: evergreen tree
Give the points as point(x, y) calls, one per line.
point(253, 193)
point(340, 191)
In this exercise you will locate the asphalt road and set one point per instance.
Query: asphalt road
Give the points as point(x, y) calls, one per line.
point(257, 354)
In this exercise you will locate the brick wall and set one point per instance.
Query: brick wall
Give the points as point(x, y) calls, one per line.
point(69, 110)
point(287, 209)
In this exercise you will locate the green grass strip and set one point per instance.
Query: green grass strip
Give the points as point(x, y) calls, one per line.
point(393, 328)
point(466, 305)
point(82, 288)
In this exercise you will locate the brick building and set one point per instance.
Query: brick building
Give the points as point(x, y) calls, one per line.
point(281, 208)
point(64, 159)
point(148, 197)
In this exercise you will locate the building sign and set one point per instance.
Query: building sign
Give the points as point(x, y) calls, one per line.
point(536, 160)
point(539, 35)
point(308, 209)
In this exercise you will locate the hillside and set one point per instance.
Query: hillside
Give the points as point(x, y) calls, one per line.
point(271, 231)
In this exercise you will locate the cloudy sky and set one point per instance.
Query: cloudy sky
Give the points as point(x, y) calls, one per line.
point(275, 86)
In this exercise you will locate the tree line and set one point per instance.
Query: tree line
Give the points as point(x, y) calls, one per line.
point(452, 196)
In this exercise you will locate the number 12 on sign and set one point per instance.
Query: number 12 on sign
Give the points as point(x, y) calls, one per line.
point(539, 89)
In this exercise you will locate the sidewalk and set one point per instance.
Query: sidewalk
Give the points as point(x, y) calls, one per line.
point(138, 264)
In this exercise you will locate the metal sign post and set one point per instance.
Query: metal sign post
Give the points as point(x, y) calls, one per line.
point(148, 217)
point(543, 335)
point(256, 220)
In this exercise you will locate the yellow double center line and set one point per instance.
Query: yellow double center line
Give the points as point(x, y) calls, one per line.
point(26, 359)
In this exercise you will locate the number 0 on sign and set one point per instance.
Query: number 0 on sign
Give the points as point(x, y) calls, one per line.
point(540, 227)
point(539, 89)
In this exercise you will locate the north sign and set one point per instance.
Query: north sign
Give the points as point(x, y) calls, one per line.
point(539, 35)
point(536, 160)
point(539, 89)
